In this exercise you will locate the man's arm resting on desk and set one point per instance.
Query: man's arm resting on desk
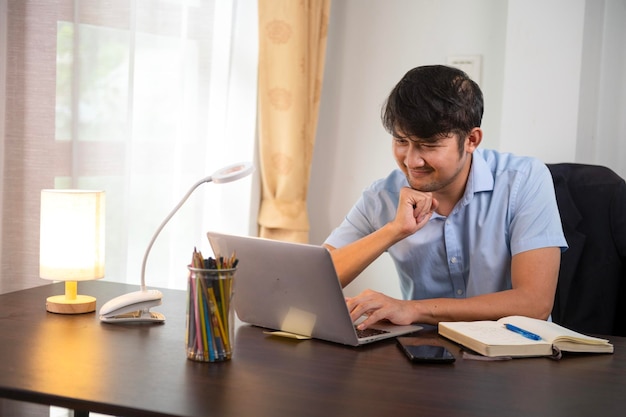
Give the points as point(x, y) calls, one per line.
point(534, 278)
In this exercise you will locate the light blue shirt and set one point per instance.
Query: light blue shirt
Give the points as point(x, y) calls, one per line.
point(509, 206)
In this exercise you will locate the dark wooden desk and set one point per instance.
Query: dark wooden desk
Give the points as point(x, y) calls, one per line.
point(79, 363)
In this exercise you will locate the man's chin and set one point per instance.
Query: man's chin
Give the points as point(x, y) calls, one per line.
point(422, 187)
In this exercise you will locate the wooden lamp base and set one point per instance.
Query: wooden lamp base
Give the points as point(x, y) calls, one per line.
point(71, 302)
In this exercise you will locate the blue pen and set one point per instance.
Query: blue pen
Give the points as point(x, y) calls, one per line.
point(525, 333)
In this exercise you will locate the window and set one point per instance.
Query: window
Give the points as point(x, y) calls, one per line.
point(151, 96)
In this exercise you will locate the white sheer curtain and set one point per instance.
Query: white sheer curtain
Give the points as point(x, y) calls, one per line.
point(141, 98)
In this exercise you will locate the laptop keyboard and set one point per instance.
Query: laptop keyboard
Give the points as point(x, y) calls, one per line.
point(369, 332)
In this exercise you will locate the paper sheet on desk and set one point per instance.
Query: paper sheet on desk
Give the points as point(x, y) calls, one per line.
point(286, 334)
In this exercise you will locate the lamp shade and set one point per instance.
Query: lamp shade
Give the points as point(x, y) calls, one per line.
point(72, 235)
point(71, 244)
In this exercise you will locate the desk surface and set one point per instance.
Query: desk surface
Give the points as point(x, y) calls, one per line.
point(79, 363)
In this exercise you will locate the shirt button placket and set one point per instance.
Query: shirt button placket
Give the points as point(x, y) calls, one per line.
point(454, 262)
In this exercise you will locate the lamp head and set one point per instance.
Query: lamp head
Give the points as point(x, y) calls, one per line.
point(232, 172)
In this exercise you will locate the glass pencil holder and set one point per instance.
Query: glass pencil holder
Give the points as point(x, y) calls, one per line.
point(210, 314)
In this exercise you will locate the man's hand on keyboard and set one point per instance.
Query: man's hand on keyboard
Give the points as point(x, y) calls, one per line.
point(376, 306)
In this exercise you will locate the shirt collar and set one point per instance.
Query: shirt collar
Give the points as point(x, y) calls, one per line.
point(480, 178)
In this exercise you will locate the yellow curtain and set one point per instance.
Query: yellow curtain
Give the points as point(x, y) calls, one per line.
point(292, 46)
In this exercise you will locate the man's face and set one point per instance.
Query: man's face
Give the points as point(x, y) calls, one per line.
point(431, 167)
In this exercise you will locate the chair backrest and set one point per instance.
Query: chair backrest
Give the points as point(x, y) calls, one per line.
point(591, 293)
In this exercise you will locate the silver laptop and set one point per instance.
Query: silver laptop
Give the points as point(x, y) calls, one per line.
point(294, 288)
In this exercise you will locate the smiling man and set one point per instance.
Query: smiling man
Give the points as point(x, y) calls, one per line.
point(474, 234)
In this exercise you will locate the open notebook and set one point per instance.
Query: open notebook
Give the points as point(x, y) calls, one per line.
point(293, 288)
point(518, 336)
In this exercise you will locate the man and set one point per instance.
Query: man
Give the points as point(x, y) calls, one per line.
point(474, 234)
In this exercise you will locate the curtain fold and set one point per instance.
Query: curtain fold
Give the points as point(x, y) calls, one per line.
point(27, 149)
point(292, 47)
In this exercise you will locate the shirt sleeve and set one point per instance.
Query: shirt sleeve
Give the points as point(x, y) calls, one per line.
point(355, 226)
point(375, 208)
point(536, 221)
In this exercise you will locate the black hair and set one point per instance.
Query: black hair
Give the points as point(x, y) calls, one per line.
point(431, 102)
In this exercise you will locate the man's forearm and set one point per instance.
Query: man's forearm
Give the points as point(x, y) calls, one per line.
point(482, 307)
point(352, 259)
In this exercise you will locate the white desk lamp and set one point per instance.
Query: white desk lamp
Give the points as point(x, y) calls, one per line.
point(135, 306)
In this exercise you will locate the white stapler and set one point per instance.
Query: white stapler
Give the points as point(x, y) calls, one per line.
point(133, 307)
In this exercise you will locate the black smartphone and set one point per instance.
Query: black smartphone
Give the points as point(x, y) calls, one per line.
point(425, 353)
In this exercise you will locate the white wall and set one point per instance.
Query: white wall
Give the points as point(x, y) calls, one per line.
point(542, 78)
point(602, 121)
point(532, 55)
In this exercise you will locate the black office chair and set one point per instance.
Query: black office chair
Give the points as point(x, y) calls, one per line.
point(591, 293)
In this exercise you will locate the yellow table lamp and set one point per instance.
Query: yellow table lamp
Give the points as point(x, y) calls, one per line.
point(71, 245)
